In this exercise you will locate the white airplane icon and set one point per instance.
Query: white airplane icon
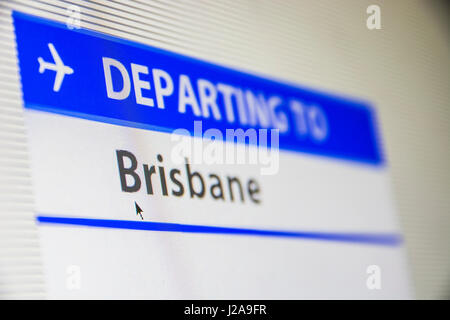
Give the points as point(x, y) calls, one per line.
point(58, 66)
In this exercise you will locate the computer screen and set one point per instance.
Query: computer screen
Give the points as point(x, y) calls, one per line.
point(224, 150)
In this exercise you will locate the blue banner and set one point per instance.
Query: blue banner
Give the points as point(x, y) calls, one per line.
point(94, 76)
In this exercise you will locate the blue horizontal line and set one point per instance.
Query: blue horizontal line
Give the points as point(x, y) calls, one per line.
point(383, 239)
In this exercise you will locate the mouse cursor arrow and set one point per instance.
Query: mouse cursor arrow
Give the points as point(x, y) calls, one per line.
point(138, 210)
